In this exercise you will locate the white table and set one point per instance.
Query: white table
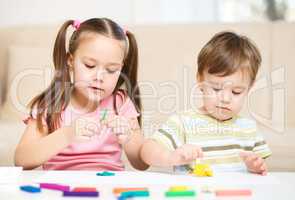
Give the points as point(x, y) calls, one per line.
point(275, 185)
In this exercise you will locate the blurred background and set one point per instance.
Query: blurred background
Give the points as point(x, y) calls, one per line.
point(16, 12)
point(170, 33)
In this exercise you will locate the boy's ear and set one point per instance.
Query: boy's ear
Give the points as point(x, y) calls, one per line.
point(199, 82)
point(198, 77)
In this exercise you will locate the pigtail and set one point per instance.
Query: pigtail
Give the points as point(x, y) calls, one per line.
point(52, 101)
point(129, 70)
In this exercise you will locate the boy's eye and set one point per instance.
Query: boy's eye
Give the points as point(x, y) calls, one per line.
point(216, 89)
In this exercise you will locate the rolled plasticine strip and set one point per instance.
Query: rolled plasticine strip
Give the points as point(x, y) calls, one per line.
point(53, 186)
point(233, 192)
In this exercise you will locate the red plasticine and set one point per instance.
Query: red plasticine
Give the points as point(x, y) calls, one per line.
point(237, 192)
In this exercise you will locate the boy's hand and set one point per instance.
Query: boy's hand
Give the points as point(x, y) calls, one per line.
point(254, 163)
point(185, 154)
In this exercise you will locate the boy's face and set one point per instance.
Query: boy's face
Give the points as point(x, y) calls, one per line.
point(224, 96)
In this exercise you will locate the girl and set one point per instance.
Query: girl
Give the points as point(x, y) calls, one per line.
point(101, 58)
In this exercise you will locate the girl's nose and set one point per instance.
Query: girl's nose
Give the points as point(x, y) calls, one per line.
point(100, 73)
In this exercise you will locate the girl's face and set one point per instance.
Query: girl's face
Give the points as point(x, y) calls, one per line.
point(96, 65)
point(224, 96)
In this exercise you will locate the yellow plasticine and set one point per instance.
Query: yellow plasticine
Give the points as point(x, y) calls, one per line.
point(201, 169)
point(178, 188)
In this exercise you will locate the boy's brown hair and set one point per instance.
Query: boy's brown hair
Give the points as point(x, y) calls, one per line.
point(228, 52)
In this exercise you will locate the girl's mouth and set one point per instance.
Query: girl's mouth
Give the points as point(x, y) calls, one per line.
point(96, 89)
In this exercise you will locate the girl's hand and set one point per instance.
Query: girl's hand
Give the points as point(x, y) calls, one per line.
point(122, 127)
point(85, 128)
point(185, 154)
point(254, 163)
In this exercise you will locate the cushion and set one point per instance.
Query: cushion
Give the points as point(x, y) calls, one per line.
point(29, 73)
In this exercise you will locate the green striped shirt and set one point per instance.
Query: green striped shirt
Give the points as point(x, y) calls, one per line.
point(221, 142)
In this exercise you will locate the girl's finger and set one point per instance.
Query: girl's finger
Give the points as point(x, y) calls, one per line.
point(120, 130)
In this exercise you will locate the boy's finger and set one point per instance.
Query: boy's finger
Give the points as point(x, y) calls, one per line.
point(196, 153)
point(245, 154)
point(200, 153)
point(259, 162)
point(251, 158)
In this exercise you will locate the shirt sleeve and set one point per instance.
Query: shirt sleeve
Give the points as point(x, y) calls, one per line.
point(127, 108)
point(171, 133)
point(260, 147)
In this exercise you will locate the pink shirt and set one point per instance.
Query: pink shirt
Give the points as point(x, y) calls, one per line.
point(102, 152)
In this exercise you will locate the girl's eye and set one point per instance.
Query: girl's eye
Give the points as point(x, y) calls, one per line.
point(90, 66)
point(111, 71)
point(236, 93)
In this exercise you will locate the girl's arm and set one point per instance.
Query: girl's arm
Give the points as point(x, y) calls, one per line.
point(155, 154)
point(132, 146)
point(37, 147)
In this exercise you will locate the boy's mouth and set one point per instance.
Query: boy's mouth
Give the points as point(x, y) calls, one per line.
point(223, 108)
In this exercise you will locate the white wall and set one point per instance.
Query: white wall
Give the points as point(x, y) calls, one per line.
point(18, 12)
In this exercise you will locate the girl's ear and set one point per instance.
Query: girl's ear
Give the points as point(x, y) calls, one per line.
point(70, 61)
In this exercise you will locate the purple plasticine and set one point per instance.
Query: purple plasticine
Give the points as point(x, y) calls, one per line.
point(80, 194)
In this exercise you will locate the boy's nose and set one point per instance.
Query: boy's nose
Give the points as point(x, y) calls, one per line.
point(226, 96)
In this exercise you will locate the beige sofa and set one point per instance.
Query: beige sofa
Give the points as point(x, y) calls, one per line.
point(167, 59)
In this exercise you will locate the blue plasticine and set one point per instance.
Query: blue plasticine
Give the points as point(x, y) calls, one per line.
point(29, 188)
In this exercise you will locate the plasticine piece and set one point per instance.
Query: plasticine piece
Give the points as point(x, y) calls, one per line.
point(30, 189)
point(80, 194)
point(53, 186)
point(104, 114)
point(84, 189)
point(188, 193)
point(233, 192)
point(129, 194)
point(105, 173)
point(201, 169)
point(178, 188)
point(120, 190)
point(207, 189)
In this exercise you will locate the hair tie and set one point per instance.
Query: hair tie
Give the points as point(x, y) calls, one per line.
point(76, 24)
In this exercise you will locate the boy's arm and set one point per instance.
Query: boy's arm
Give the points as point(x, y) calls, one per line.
point(254, 162)
point(37, 147)
point(156, 154)
point(255, 159)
